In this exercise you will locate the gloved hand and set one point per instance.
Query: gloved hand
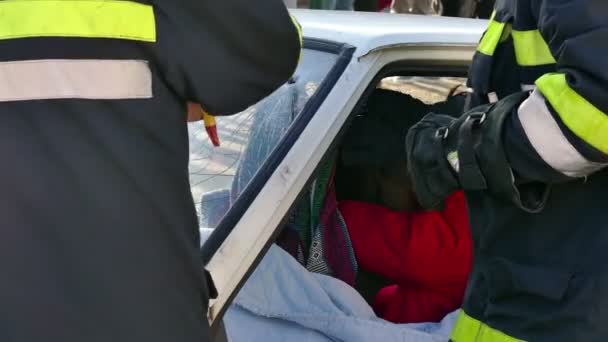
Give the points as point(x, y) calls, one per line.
point(447, 154)
point(433, 176)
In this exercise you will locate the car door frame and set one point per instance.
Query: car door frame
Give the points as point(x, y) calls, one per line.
point(238, 252)
point(224, 248)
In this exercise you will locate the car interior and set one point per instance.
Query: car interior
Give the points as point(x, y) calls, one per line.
point(366, 164)
point(369, 162)
point(371, 166)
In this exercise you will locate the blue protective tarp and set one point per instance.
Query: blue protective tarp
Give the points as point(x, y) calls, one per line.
point(284, 302)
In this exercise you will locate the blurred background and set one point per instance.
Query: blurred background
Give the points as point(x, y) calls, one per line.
point(452, 8)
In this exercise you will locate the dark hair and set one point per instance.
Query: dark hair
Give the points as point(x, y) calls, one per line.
point(377, 134)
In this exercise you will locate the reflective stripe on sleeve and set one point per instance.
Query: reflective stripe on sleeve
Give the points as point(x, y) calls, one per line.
point(528, 87)
point(300, 36)
point(547, 138)
point(531, 49)
point(579, 115)
point(468, 329)
point(79, 79)
point(77, 18)
point(299, 29)
point(493, 97)
point(492, 37)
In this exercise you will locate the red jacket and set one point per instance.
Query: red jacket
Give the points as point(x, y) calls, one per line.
point(382, 4)
point(428, 255)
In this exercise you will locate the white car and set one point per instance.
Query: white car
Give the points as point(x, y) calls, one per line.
point(270, 153)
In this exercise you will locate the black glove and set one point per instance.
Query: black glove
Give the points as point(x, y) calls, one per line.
point(438, 158)
point(446, 154)
point(433, 176)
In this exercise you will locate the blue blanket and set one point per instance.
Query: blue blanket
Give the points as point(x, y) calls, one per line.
point(282, 301)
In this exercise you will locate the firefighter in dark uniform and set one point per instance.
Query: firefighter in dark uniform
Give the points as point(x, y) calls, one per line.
point(98, 231)
point(532, 160)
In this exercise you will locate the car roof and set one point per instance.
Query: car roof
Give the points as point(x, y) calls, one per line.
point(376, 31)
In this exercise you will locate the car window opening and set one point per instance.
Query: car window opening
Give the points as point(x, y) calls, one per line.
point(360, 222)
point(219, 175)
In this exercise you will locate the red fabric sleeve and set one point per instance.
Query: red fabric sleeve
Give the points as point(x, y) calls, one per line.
point(425, 249)
point(382, 4)
point(400, 304)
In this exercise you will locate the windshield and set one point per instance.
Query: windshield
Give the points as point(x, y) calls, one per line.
point(218, 175)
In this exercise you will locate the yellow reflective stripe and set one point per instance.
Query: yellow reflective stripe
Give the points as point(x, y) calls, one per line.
point(468, 329)
point(300, 35)
point(531, 49)
point(579, 115)
point(77, 18)
point(491, 37)
point(299, 29)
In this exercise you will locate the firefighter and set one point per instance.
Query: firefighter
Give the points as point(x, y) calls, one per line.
point(532, 160)
point(98, 231)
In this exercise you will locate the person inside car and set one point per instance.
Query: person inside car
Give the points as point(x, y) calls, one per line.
point(424, 257)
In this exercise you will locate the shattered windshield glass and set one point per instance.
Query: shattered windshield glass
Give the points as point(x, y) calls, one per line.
point(219, 174)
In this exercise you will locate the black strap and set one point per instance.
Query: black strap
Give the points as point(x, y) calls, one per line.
point(210, 285)
point(470, 175)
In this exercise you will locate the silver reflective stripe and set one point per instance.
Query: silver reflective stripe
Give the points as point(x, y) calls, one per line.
point(77, 79)
point(549, 141)
point(528, 87)
point(493, 97)
point(454, 161)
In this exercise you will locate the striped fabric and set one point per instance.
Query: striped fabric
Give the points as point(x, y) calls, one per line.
point(331, 251)
point(316, 234)
point(306, 217)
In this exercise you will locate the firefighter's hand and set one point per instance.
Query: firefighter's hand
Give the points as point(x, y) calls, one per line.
point(433, 177)
point(195, 112)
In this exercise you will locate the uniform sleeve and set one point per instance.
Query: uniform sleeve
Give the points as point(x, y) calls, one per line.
point(226, 55)
point(564, 122)
point(425, 248)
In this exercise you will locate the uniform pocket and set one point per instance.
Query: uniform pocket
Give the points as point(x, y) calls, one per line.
point(507, 279)
point(539, 300)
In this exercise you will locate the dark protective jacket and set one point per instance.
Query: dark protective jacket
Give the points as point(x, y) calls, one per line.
point(533, 169)
point(558, 46)
point(98, 232)
point(540, 276)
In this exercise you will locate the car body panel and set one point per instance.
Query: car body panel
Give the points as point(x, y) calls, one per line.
point(377, 31)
